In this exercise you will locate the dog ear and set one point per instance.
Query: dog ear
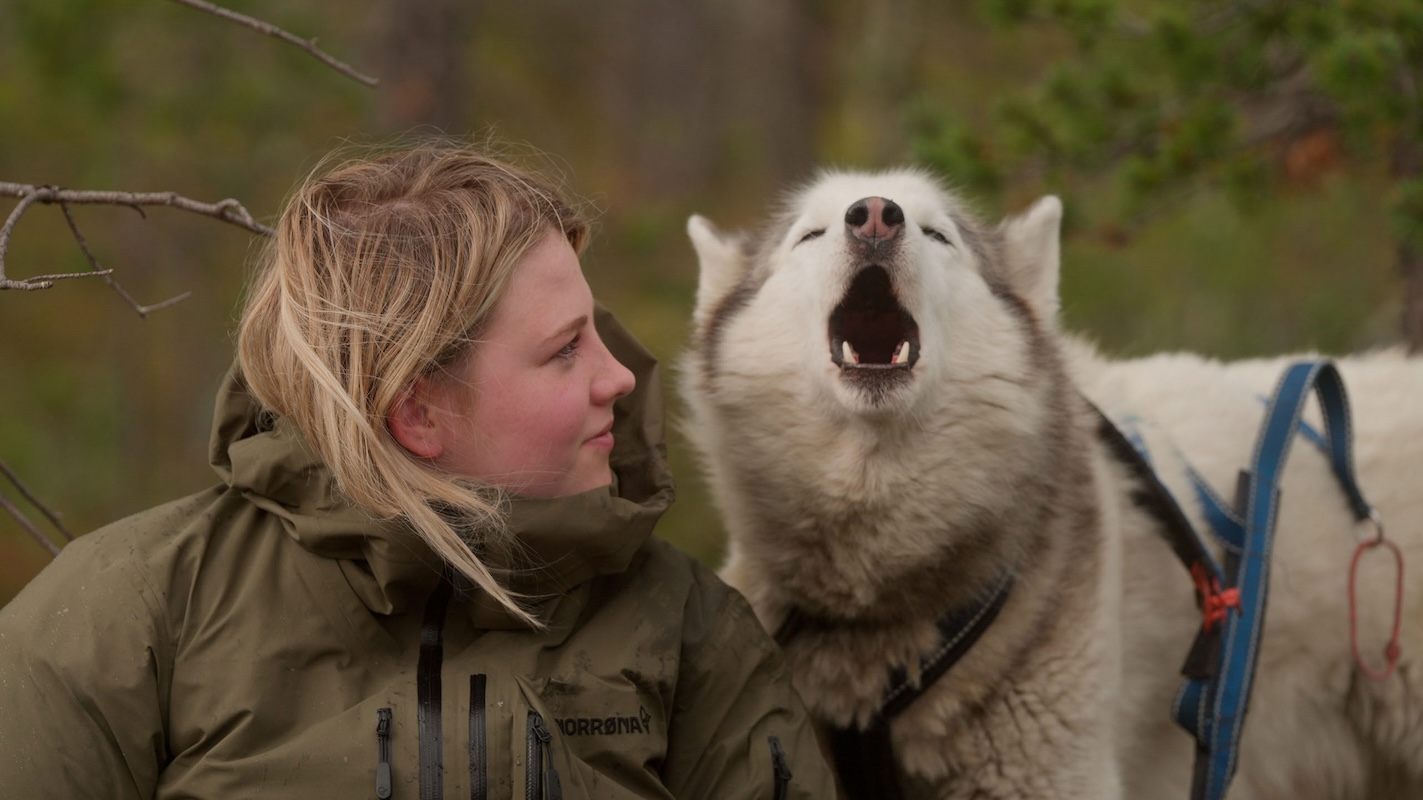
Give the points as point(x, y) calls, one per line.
point(723, 263)
point(1033, 255)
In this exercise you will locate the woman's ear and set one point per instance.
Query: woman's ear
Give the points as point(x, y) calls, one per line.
point(412, 423)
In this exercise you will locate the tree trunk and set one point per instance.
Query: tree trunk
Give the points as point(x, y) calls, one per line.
point(1411, 265)
point(707, 92)
point(421, 51)
point(1408, 166)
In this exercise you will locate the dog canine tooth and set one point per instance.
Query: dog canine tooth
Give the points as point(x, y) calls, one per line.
point(901, 356)
point(849, 354)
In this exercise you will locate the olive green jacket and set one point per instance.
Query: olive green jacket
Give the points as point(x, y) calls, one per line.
point(265, 638)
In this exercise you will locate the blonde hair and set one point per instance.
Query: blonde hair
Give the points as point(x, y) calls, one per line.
point(383, 270)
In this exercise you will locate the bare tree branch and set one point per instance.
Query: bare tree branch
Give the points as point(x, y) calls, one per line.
point(143, 311)
point(24, 521)
point(26, 201)
point(29, 526)
point(34, 501)
point(309, 45)
point(228, 210)
point(46, 281)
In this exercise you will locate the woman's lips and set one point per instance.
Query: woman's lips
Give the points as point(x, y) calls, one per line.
point(602, 439)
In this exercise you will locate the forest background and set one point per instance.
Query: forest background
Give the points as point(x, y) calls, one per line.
point(1216, 220)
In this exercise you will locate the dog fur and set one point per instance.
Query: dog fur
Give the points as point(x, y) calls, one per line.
point(873, 500)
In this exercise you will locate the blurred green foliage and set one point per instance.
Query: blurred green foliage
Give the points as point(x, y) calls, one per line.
point(655, 111)
point(1156, 101)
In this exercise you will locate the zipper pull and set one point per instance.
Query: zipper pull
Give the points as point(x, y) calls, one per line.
point(383, 787)
point(539, 729)
point(780, 768)
point(551, 785)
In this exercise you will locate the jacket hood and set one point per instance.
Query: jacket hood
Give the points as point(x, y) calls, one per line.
point(562, 541)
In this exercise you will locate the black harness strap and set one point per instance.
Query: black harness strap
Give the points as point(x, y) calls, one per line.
point(864, 758)
point(1178, 532)
point(1157, 500)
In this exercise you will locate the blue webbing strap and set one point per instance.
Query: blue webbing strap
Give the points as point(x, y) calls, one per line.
point(1212, 708)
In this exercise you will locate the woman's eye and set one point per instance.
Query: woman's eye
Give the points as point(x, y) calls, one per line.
point(811, 235)
point(571, 349)
point(933, 233)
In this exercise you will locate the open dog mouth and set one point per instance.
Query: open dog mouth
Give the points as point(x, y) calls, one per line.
point(869, 329)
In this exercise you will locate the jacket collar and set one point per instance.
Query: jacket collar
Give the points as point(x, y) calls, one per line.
point(562, 541)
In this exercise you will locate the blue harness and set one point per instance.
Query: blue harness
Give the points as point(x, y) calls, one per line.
point(1220, 667)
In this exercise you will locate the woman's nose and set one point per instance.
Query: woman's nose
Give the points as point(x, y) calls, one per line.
point(614, 380)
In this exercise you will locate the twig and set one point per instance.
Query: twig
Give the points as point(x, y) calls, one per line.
point(27, 525)
point(229, 211)
point(143, 311)
point(309, 45)
point(49, 515)
point(226, 210)
point(24, 521)
point(46, 281)
point(36, 195)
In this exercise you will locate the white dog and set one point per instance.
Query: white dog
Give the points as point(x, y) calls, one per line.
point(892, 424)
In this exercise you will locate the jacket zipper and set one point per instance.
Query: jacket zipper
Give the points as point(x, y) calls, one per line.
point(780, 768)
point(383, 787)
point(429, 693)
point(478, 748)
point(541, 784)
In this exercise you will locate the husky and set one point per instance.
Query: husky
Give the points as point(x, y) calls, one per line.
point(891, 419)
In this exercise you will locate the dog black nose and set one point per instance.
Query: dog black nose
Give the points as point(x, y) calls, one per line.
point(874, 218)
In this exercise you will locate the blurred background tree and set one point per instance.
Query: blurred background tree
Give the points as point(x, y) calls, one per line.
point(655, 110)
point(1158, 103)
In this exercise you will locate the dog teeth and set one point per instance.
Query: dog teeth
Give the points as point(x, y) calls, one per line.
point(848, 353)
point(901, 356)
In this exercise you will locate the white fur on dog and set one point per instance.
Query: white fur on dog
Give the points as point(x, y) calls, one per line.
point(875, 514)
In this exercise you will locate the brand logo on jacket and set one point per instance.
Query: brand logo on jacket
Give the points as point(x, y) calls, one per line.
point(606, 726)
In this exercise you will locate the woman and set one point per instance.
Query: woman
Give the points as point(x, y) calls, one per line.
point(427, 570)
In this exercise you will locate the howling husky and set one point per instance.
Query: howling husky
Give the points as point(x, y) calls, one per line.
point(895, 428)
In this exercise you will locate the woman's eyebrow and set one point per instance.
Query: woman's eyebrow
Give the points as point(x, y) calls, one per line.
point(573, 325)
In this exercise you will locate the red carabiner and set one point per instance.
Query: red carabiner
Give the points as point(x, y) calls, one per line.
point(1391, 651)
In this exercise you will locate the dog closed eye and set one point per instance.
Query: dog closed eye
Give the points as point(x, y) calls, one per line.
point(815, 234)
point(937, 236)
